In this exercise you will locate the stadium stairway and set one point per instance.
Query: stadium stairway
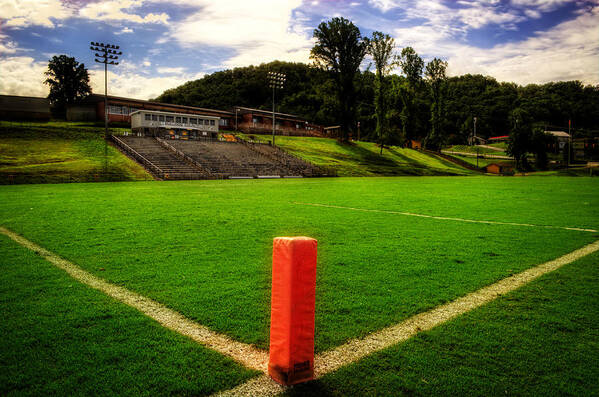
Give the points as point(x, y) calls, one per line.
point(161, 162)
point(194, 159)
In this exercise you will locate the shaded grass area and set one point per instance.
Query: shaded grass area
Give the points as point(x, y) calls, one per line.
point(476, 149)
point(482, 162)
point(542, 339)
point(56, 152)
point(60, 337)
point(363, 158)
point(204, 248)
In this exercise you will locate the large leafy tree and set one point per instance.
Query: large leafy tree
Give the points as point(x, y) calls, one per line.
point(68, 81)
point(411, 65)
point(340, 49)
point(382, 49)
point(435, 74)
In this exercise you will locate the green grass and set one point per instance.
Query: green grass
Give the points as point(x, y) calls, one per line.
point(60, 337)
point(481, 161)
point(363, 158)
point(500, 145)
point(204, 248)
point(540, 340)
point(56, 152)
point(475, 149)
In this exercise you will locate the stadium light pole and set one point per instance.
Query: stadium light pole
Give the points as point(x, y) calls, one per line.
point(276, 81)
point(107, 54)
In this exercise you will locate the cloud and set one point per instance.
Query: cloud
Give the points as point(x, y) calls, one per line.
point(171, 70)
point(23, 76)
point(23, 13)
point(116, 10)
point(125, 30)
point(257, 31)
point(124, 80)
point(564, 52)
point(7, 46)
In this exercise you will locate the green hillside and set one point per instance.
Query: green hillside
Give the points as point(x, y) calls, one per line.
point(56, 152)
point(363, 158)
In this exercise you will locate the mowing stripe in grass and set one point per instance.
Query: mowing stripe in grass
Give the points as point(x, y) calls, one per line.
point(357, 349)
point(243, 353)
point(445, 218)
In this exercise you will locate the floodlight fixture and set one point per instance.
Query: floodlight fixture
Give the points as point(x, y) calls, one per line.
point(276, 81)
point(106, 54)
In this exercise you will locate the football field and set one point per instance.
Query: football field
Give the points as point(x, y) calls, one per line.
point(162, 278)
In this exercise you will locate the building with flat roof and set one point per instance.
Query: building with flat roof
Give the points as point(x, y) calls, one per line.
point(248, 120)
point(256, 121)
point(14, 107)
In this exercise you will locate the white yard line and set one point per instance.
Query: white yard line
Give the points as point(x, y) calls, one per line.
point(445, 218)
point(325, 362)
point(357, 349)
point(243, 353)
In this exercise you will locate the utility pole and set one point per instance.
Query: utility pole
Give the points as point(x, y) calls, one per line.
point(358, 131)
point(108, 55)
point(276, 81)
point(569, 141)
point(474, 138)
point(236, 109)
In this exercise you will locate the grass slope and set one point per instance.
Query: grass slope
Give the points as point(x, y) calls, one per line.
point(204, 248)
point(57, 152)
point(475, 149)
point(542, 339)
point(363, 158)
point(62, 338)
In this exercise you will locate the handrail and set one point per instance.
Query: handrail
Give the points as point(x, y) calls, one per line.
point(157, 170)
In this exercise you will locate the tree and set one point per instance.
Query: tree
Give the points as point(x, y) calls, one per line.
point(435, 74)
point(411, 65)
point(340, 49)
point(68, 81)
point(520, 138)
point(382, 47)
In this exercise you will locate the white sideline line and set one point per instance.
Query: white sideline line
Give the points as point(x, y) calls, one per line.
point(445, 218)
point(243, 353)
point(357, 349)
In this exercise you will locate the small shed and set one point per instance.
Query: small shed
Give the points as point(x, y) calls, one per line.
point(500, 168)
point(415, 144)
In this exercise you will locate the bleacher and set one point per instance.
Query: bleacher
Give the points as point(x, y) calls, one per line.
point(159, 161)
point(232, 159)
point(195, 159)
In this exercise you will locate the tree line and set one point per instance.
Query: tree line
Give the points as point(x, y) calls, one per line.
point(341, 87)
point(421, 103)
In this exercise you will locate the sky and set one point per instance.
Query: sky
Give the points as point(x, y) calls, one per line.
point(168, 42)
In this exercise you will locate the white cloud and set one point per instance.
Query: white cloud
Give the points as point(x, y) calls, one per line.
point(25, 76)
point(258, 31)
point(564, 52)
point(7, 46)
point(124, 80)
point(171, 70)
point(541, 5)
point(147, 63)
point(125, 30)
point(116, 10)
point(23, 13)
point(22, 76)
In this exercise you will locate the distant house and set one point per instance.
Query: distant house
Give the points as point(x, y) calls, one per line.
point(500, 168)
point(333, 131)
